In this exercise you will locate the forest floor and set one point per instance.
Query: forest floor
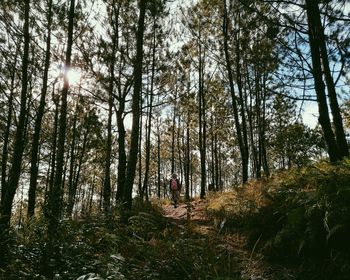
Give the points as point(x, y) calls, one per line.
point(251, 265)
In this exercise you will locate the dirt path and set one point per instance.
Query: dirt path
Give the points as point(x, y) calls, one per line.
point(196, 215)
point(180, 213)
point(252, 266)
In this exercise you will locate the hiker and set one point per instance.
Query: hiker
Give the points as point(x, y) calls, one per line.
point(175, 189)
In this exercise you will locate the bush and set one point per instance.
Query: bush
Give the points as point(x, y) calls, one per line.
point(298, 218)
point(307, 221)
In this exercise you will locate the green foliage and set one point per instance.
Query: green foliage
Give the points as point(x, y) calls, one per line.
point(308, 220)
point(298, 218)
point(293, 144)
point(178, 254)
point(85, 246)
point(346, 113)
point(148, 246)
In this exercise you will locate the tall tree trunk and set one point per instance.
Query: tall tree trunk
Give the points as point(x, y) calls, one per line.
point(71, 165)
point(233, 95)
point(245, 148)
point(6, 137)
point(216, 160)
point(132, 160)
point(179, 149)
point(249, 110)
point(34, 164)
point(262, 130)
point(332, 95)
point(173, 134)
point(107, 175)
point(212, 151)
point(53, 151)
point(158, 161)
point(187, 160)
point(202, 120)
point(121, 151)
point(73, 190)
point(14, 173)
point(55, 198)
point(92, 190)
point(315, 42)
point(15, 170)
point(149, 125)
point(258, 123)
point(140, 191)
point(54, 205)
point(122, 161)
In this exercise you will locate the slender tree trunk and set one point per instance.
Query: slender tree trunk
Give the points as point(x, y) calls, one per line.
point(216, 160)
point(121, 151)
point(233, 95)
point(136, 98)
point(179, 149)
point(92, 191)
point(259, 124)
point(54, 205)
point(212, 151)
point(314, 38)
point(140, 190)
point(149, 125)
point(173, 135)
point(332, 95)
point(53, 151)
point(245, 148)
point(73, 190)
point(34, 164)
point(221, 182)
point(71, 166)
point(107, 175)
point(202, 122)
point(263, 129)
point(4, 158)
point(158, 161)
point(187, 160)
point(15, 170)
point(251, 134)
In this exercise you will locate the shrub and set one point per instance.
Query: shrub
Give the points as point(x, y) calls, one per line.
point(307, 220)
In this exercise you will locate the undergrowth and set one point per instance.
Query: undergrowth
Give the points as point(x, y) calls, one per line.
point(298, 218)
point(148, 246)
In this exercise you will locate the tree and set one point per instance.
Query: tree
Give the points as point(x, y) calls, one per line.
point(316, 41)
point(54, 205)
point(111, 85)
point(15, 170)
point(36, 136)
point(150, 111)
point(136, 110)
point(292, 143)
point(239, 128)
point(6, 135)
point(337, 148)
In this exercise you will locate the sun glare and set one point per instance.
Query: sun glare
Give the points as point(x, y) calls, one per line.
point(74, 76)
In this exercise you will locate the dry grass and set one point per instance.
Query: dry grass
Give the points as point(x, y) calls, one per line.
point(239, 202)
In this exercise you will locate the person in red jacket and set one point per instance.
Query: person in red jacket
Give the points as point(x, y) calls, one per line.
point(175, 189)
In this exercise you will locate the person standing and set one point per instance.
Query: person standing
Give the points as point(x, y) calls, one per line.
point(175, 189)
